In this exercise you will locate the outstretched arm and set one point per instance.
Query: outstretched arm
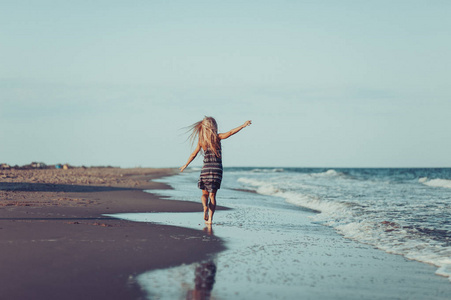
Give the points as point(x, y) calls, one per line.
point(223, 136)
point(191, 157)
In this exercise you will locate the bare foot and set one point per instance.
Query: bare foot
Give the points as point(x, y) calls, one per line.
point(210, 219)
point(205, 213)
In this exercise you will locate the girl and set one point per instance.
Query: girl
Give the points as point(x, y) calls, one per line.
point(206, 132)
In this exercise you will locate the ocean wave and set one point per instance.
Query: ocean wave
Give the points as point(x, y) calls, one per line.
point(259, 186)
point(423, 179)
point(371, 224)
point(445, 183)
point(396, 239)
point(299, 199)
point(328, 173)
point(350, 220)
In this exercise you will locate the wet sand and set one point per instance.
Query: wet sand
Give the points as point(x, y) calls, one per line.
point(56, 243)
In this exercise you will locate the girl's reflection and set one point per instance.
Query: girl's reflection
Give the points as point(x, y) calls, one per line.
point(205, 273)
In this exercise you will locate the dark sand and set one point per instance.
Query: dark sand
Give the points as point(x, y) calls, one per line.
point(55, 243)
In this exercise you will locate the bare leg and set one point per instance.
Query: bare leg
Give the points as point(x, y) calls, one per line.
point(211, 207)
point(205, 204)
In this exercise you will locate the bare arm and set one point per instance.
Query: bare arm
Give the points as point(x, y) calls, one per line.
point(226, 135)
point(191, 157)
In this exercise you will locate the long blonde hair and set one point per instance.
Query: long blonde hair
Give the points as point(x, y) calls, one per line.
point(206, 132)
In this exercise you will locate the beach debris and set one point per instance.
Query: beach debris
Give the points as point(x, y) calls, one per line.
point(41, 165)
point(101, 224)
point(15, 203)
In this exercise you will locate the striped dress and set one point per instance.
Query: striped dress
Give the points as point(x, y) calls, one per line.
point(211, 174)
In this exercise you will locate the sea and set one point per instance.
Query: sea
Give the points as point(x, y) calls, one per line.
point(384, 211)
point(400, 211)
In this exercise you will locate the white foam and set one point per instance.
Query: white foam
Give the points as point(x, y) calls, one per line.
point(348, 220)
point(422, 179)
point(314, 203)
point(251, 181)
point(446, 183)
point(392, 238)
point(328, 173)
point(296, 198)
point(444, 270)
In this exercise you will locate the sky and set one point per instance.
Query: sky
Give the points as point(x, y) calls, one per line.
point(325, 83)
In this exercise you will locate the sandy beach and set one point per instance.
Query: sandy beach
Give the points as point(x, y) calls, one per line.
point(57, 245)
point(110, 233)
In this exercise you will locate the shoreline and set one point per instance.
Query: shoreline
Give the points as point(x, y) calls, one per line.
point(57, 245)
point(287, 254)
